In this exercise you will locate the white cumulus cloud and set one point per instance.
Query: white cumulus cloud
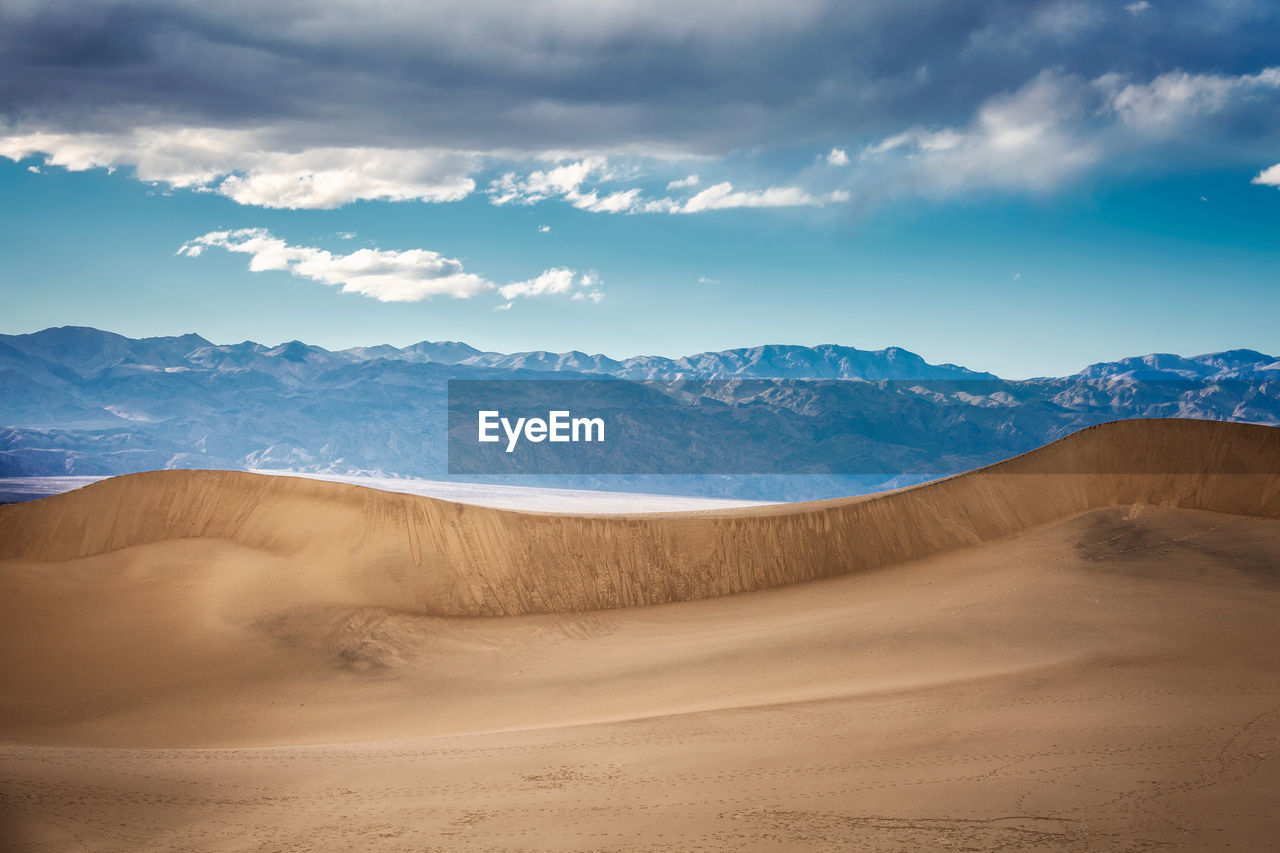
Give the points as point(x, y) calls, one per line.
point(837, 157)
point(387, 276)
point(562, 181)
point(1268, 177)
point(558, 280)
point(570, 182)
point(248, 168)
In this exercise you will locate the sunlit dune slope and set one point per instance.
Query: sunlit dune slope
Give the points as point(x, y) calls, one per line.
point(417, 555)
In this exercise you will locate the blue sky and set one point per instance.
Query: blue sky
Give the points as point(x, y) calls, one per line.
point(1021, 188)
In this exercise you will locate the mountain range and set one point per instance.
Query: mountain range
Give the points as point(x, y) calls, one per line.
point(89, 353)
point(78, 400)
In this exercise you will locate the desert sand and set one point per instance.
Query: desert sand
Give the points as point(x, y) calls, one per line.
point(1077, 649)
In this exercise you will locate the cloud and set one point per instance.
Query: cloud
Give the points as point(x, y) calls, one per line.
point(568, 182)
point(1027, 139)
point(1035, 137)
point(558, 280)
point(723, 196)
point(1268, 177)
point(1059, 125)
point(702, 279)
point(565, 181)
point(1177, 96)
point(323, 104)
point(387, 276)
point(327, 178)
point(544, 229)
point(623, 201)
point(1043, 26)
point(516, 79)
point(467, 76)
point(242, 166)
point(562, 181)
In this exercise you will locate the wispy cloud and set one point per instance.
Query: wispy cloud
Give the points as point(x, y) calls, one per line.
point(1025, 140)
point(723, 196)
point(1057, 126)
point(1170, 99)
point(387, 276)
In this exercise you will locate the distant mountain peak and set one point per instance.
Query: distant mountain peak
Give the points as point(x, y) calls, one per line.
point(294, 350)
point(1229, 364)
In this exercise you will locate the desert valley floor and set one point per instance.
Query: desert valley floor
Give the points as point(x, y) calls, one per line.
point(1075, 650)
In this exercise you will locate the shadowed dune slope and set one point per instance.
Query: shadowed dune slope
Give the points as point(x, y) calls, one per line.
point(419, 555)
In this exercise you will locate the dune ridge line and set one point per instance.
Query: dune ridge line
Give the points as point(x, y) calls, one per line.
point(422, 555)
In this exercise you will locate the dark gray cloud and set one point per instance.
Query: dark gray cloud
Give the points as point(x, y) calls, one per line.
point(706, 78)
point(318, 104)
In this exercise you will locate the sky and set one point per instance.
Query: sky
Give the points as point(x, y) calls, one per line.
point(1019, 187)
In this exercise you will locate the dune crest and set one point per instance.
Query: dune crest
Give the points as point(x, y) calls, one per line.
point(420, 555)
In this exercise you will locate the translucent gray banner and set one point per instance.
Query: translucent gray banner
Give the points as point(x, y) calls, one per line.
point(898, 428)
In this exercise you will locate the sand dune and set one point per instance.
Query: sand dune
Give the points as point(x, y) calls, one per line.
point(1074, 650)
point(419, 555)
point(525, 498)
